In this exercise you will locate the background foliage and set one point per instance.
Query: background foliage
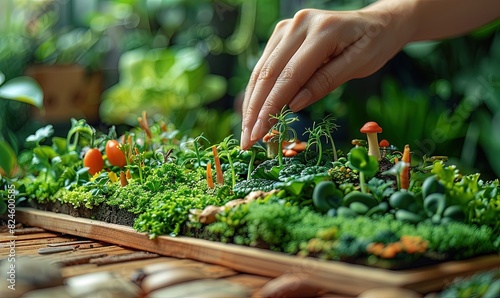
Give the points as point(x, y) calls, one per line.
point(440, 97)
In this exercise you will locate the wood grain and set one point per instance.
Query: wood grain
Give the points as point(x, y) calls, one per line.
point(336, 276)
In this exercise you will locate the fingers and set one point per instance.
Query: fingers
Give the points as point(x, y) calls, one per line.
point(295, 73)
point(267, 70)
point(303, 63)
point(268, 50)
point(354, 62)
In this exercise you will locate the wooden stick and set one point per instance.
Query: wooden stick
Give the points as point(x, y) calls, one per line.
point(89, 245)
point(69, 243)
point(141, 255)
point(78, 260)
point(53, 250)
point(24, 231)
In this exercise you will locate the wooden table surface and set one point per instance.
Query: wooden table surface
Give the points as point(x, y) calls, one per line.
point(34, 242)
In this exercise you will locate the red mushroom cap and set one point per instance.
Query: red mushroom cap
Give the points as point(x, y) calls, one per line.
point(384, 143)
point(371, 127)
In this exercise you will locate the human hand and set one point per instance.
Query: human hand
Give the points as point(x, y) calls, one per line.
point(312, 54)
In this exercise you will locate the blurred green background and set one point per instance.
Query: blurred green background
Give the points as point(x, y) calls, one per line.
point(189, 61)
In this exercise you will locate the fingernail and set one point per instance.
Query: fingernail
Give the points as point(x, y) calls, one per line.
point(257, 130)
point(301, 100)
point(244, 138)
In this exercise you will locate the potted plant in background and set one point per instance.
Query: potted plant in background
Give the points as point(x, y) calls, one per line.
point(24, 90)
point(66, 61)
point(63, 56)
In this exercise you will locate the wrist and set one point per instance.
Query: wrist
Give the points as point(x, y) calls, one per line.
point(398, 18)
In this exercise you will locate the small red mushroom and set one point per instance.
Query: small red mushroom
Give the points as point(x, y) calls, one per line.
point(371, 129)
point(296, 145)
point(383, 146)
point(289, 152)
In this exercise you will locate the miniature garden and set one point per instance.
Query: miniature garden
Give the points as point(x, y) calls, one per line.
point(398, 175)
point(371, 205)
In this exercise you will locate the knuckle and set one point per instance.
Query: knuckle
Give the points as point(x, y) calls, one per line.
point(266, 73)
point(281, 24)
point(303, 14)
point(324, 81)
point(289, 75)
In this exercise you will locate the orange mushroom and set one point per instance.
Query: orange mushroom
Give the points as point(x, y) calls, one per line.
point(371, 129)
point(383, 146)
point(296, 145)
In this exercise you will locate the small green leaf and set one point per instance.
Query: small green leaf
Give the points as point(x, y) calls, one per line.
point(8, 158)
point(361, 161)
point(396, 169)
point(44, 152)
point(22, 89)
point(59, 144)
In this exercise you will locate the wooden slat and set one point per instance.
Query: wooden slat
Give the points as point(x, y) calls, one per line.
point(340, 277)
point(5, 237)
point(46, 241)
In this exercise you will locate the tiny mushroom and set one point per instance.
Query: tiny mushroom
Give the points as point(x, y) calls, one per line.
point(383, 147)
point(371, 129)
point(291, 149)
point(270, 139)
point(358, 142)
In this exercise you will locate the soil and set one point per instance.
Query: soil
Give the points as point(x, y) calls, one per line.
point(103, 212)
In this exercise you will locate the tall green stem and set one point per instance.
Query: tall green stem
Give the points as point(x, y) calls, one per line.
point(250, 164)
point(320, 151)
point(362, 181)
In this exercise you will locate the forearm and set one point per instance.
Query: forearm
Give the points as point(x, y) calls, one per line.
point(437, 19)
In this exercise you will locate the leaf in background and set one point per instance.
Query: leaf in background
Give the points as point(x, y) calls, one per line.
point(421, 49)
point(2, 78)
point(8, 158)
point(3, 207)
point(23, 89)
point(41, 134)
point(45, 153)
point(59, 145)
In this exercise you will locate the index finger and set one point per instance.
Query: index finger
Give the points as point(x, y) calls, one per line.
point(294, 74)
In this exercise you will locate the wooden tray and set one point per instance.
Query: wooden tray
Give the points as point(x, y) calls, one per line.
point(342, 278)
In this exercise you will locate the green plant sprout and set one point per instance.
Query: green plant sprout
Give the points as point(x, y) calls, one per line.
point(323, 129)
point(197, 150)
point(367, 165)
point(79, 129)
point(254, 151)
point(327, 126)
point(225, 147)
point(396, 171)
point(139, 160)
point(282, 126)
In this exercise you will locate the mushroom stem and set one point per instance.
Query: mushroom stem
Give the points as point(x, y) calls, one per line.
point(373, 148)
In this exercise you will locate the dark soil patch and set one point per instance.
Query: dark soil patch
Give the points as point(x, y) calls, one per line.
point(103, 212)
